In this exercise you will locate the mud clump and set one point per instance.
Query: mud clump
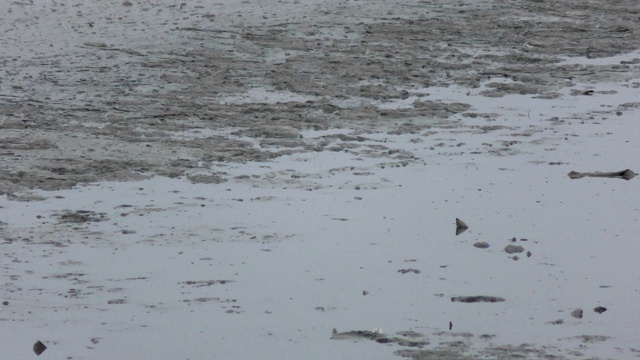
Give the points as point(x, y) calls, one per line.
point(404, 338)
point(405, 271)
point(206, 179)
point(80, 216)
point(513, 249)
point(205, 283)
point(577, 313)
point(600, 309)
point(477, 299)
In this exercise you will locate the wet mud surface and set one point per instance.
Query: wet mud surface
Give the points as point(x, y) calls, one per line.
point(152, 88)
point(318, 108)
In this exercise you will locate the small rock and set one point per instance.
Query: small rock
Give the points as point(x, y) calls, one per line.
point(5, 303)
point(39, 347)
point(461, 226)
point(577, 313)
point(516, 258)
point(481, 245)
point(600, 309)
point(528, 253)
point(513, 249)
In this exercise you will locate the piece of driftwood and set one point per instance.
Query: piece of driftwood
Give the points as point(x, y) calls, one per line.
point(477, 299)
point(624, 174)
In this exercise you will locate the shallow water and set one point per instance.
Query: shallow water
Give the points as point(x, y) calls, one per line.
point(217, 181)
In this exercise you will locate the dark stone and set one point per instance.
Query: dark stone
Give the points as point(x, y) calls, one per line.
point(513, 249)
point(600, 309)
point(577, 313)
point(383, 340)
point(404, 271)
point(39, 347)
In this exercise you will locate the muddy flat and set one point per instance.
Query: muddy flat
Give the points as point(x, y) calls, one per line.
point(288, 179)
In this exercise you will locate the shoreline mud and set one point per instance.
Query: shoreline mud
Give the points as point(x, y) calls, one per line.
point(226, 179)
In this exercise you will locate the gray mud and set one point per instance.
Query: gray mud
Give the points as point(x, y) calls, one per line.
point(452, 345)
point(116, 92)
point(125, 91)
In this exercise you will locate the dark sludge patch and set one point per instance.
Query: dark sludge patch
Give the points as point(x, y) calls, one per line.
point(477, 299)
point(403, 338)
point(624, 174)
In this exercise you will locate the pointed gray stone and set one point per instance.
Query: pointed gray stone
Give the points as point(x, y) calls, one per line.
point(461, 226)
point(39, 347)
